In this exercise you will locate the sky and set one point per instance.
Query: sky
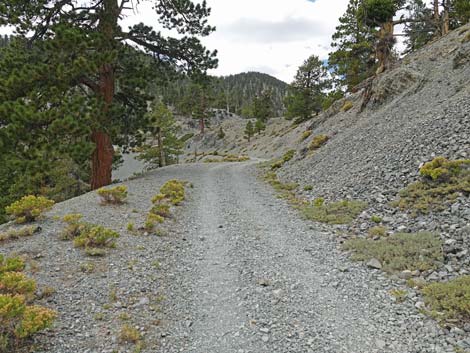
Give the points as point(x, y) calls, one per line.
point(269, 36)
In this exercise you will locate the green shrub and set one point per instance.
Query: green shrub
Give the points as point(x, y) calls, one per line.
point(288, 156)
point(399, 294)
point(376, 219)
point(74, 226)
point(29, 208)
point(442, 183)
point(377, 231)
point(308, 188)
point(152, 220)
point(129, 334)
point(115, 195)
point(347, 106)
point(162, 210)
point(306, 135)
point(173, 190)
point(399, 252)
point(277, 164)
point(130, 226)
point(19, 320)
point(318, 141)
point(449, 301)
point(92, 236)
point(233, 158)
point(442, 169)
point(341, 212)
point(22, 232)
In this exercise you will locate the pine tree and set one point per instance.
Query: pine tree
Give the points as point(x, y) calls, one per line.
point(164, 132)
point(423, 28)
point(262, 106)
point(249, 131)
point(307, 91)
point(353, 58)
point(106, 69)
point(259, 126)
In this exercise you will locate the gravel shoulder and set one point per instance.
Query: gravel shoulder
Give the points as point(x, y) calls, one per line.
point(237, 271)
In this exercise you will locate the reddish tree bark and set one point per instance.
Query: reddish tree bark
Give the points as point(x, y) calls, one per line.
point(102, 157)
point(202, 125)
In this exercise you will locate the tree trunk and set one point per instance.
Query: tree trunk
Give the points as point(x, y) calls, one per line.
point(445, 18)
point(437, 18)
point(202, 125)
point(161, 148)
point(384, 45)
point(102, 157)
point(101, 160)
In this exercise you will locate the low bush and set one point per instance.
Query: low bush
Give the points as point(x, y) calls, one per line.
point(449, 301)
point(341, 212)
point(306, 135)
point(129, 334)
point(115, 195)
point(441, 169)
point(233, 158)
point(376, 219)
point(12, 234)
point(19, 320)
point(151, 221)
point(277, 164)
point(74, 226)
point(162, 210)
point(29, 208)
point(308, 188)
point(347, 106)
point(317, 142)
point(399, 252)
point(443, 181)
point(377, 231)
point(173, 191)
point(92, 236)
point(288, 156)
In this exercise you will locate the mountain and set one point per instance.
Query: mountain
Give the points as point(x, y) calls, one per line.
point(233, 93)
point(242, 88)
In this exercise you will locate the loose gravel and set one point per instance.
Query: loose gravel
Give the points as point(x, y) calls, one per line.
point(237, 271)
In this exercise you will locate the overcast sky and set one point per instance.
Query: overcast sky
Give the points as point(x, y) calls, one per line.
point(270, 36)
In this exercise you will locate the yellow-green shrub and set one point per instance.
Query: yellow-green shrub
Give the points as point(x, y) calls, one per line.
point(95, 237)
point(398, 252)
point(11, 234)
point(318, 141)
point(341, 212)
point(173, 191)
point(442, 169)
point(161, 209)
point(129, 334)
point(29, 208)
point(18, 319)
point(116, 195)
point(152, 220)
point(288, 156)
point(442, 183)
point(74, 226)
point(449, 301)
point(347, 106)
point(306, 135)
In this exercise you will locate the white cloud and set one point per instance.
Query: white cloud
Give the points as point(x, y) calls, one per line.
point(272, 36)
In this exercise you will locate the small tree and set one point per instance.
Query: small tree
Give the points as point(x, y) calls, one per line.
point(163, 130)
point(259, 126)
point(307, 92)
point(249, 131)
point(262, 106)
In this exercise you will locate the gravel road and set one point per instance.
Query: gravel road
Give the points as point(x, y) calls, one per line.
point(237, 272)
point(253, 277)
